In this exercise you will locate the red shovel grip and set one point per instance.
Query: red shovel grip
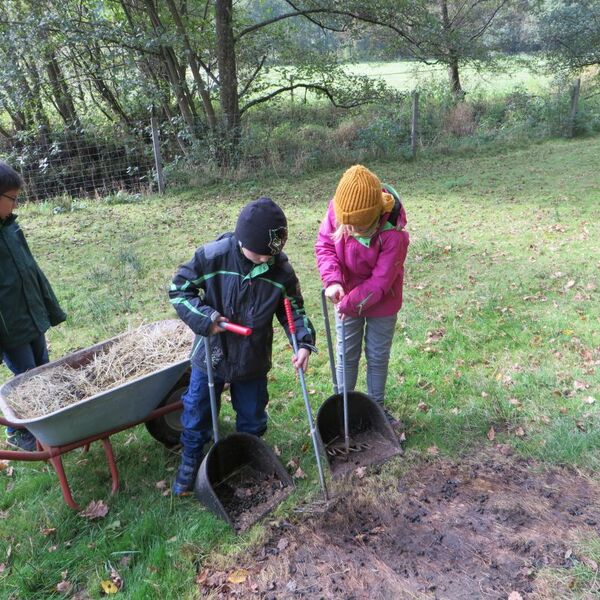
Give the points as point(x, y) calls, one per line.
point(289, 315)
point(234, 328)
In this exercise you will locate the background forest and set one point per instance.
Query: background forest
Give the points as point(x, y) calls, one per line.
point(234, 89)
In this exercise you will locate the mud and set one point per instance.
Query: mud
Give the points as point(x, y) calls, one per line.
point(366, 448)
point(249, 494)
point(446, 530)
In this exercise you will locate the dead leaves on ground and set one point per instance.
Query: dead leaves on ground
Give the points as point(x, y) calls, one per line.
point(94, 510)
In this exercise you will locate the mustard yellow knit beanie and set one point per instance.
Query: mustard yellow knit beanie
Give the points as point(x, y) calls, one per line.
point(359, 199)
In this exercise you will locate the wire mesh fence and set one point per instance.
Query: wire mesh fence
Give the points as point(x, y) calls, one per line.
point(293, 138)
point(81, 164)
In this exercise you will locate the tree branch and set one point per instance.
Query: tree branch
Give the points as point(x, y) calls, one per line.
point(307, 86)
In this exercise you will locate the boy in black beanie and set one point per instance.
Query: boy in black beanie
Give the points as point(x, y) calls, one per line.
point(242, 277)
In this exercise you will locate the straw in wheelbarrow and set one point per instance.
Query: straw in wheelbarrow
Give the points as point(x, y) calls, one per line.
point(353, 428)
point(240, 479)
point(311, 422)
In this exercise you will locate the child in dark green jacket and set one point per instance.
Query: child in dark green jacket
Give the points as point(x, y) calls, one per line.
point(28, 306)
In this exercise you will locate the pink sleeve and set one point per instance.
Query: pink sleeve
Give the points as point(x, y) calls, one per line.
point(327, 259)
point(390, 265)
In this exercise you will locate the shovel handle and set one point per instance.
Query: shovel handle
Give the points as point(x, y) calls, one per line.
point(234, 328)
point(289, 315)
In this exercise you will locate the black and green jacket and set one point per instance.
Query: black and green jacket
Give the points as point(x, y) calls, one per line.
point(28, 306)
point(220, 280)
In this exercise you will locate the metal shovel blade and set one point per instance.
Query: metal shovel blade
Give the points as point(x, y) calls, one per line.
point(372, 439)
point(240, 480)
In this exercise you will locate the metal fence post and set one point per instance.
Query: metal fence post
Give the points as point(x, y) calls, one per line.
point(414, 123)
point(574, 106)
point(160, 178)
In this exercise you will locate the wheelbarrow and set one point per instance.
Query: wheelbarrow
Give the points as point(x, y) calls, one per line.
point(353, 428)
point(148, 399)
point(240, 479)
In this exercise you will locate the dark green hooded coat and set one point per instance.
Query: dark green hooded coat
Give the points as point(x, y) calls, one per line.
point(28, 306)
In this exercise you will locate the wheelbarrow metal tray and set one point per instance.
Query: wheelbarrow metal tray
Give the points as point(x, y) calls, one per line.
point(106, 411)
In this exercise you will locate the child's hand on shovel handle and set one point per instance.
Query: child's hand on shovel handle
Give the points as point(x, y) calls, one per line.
point(300, 357)
point(300, 360)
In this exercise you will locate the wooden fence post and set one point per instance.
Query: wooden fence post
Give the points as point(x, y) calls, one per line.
point(414, 123)
point(574, 105)
point(160, 178)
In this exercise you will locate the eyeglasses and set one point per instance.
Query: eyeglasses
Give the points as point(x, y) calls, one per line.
point(11, 198)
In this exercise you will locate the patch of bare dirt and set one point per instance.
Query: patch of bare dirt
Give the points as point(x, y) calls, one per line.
point(446, 530)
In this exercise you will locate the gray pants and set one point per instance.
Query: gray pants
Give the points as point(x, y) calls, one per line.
point(378, 333)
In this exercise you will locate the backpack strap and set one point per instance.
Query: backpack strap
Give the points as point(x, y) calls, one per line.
point(395, 212)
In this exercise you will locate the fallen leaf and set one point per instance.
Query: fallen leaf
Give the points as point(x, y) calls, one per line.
point(94, 510)
point(282, 544)
point(568, 554)
point(108, 587)
point(484, 394)
point(238, 576)
point(161, 485)
point(589, 400)
point(515, 596)
point(4, 464)
point(300, 474)
point(519, 432)
point(361, 472)
point(590, 563)
point(491, 434)
point(514, 402)
point(433, 450)
point(64, 587)
point(2, 568)
point(202, 576)
point(563, 410)
point(570, 284)
point(293, 463)
point(504, 449)
point(544, 419)
point(423, 407)
point(276, 450)
point(48, 531)
point(580, 385)
point(580, 425)
point(116, 578)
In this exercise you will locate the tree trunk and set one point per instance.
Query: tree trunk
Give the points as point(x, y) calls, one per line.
point(174, 73)
point(193, 62)
point(60, 91)
point(451, 55)
point(230, 133)
point(454, 76)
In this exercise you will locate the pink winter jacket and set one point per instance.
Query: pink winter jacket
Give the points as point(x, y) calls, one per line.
point(372, 277)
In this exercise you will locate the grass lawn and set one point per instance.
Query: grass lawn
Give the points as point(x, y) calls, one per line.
point(510, 73)
point(498, 342)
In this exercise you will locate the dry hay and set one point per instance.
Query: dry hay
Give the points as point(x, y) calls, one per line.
point(134, 355)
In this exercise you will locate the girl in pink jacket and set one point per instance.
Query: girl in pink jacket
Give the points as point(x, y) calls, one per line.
point(360, 256)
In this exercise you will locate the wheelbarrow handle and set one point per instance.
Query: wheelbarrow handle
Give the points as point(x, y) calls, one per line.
point(311, 423)
point(234, 328)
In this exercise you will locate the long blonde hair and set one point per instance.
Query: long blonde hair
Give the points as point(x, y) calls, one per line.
point(344, 231)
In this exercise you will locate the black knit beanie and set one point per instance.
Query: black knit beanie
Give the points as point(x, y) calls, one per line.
point(262, 227)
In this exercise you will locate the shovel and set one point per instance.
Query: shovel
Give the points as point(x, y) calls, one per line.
point(311, 422)
point(353, 428)
point(240, 479)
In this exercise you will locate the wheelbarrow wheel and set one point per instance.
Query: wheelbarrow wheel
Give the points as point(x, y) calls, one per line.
point(167, 429)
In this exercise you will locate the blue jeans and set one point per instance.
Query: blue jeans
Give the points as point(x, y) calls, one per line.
point(249, 399)
point(25, 357)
